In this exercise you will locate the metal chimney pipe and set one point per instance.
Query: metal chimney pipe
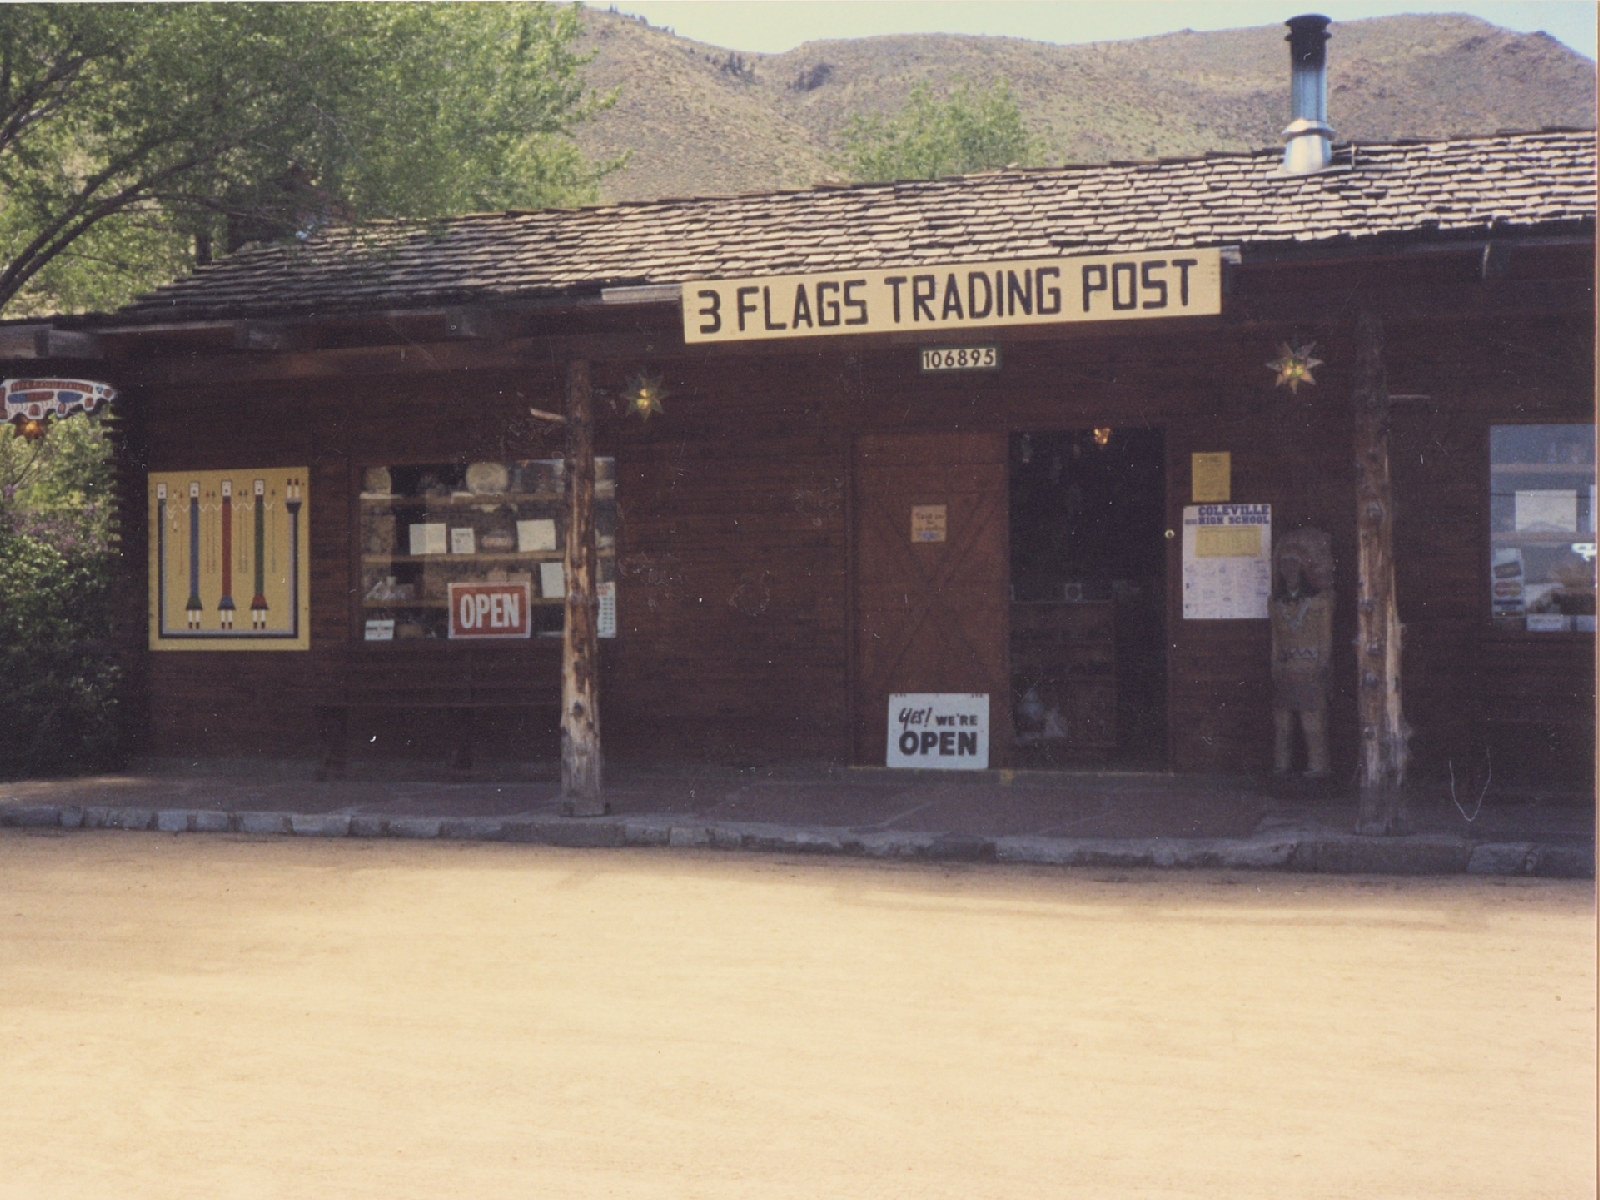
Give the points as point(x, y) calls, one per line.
point(1307, 145)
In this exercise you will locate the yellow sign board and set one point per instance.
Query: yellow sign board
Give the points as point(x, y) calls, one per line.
point(1228, 541)
point(1036, 291)
point(229, 560)
point(928, 522)
point(1212, 477)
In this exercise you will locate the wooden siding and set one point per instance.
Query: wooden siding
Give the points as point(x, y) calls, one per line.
point(735, 594)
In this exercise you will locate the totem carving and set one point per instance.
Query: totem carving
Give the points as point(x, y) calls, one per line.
point(1302, 647)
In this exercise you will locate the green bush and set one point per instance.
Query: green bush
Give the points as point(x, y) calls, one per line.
point(58, 680)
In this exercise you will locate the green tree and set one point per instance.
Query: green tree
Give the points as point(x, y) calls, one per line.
point(139, 139)
point(962, 132)
point(57, 670)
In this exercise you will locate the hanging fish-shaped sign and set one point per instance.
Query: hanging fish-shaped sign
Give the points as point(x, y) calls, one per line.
point(35, 401)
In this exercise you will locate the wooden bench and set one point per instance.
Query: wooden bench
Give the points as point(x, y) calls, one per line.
point(455, 681)
point(1536, 695)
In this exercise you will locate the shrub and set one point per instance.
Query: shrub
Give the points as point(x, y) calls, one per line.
point(58, 680)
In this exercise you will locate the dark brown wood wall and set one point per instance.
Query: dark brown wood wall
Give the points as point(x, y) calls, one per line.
point(730, 557)
point(1518, 705)
point(733, 557)
point(732, 599)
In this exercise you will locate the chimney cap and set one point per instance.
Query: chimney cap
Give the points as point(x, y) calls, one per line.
point(1307, 37)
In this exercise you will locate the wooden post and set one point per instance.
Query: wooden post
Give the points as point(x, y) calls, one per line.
point(580, 716)
point(1382, 774)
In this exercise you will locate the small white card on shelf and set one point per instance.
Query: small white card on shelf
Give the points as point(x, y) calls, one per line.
point(552, 580)
point(1549, 510)
point(536, 535)
point(1548, 623)
point(428, 539)
point(462, 541)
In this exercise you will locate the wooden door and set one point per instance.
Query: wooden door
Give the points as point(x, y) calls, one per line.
point(931, 615)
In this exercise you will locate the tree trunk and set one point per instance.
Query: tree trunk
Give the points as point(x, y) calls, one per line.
point(580, 716)
point(1382, 776)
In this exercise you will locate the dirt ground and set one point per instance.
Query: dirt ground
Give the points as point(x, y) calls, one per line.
point(186, 1016)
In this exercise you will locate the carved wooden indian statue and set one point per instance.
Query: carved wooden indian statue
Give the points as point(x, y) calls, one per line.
point(1302, 647)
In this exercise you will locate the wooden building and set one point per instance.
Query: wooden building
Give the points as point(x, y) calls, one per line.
point(1018, 436)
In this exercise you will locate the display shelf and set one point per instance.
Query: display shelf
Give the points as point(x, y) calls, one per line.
point(446, 558)
point(471, 499)
point(527, 508)
point(1063, 675)
point(441, 605)
point(1531, 538)
point(1579, 470)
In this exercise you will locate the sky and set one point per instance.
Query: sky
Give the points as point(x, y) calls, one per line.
point(773, 26)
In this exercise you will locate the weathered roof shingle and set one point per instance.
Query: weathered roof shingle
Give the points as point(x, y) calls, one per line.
point(1459, 187)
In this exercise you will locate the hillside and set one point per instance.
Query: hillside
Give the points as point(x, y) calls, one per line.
point(699, 119)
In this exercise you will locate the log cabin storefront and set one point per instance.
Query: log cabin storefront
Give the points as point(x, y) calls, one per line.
point(1005, 451)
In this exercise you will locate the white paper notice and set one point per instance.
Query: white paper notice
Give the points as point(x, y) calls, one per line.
point(462, 541)
point(1554, 510)
point(536, 535)
point(1227, 561)
point(606, 619)
point(428, 539)
point(552, 581)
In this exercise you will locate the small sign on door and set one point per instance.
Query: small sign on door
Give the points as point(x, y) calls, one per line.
point(927, 522)
point(942, 731)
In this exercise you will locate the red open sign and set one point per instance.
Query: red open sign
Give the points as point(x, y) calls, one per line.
point(490, 610)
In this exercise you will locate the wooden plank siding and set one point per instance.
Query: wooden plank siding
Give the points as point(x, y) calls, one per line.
point(736, 605)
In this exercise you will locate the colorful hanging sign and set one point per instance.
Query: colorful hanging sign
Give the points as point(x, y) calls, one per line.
point(229, 560)
point(41, 399)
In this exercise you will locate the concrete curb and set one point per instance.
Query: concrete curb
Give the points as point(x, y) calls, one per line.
point(1284, 850)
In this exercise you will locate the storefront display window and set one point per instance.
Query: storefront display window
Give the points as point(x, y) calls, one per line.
point(1542, 527)
point(427, 527)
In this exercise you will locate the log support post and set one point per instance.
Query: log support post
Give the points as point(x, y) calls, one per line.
point(1382, 773)
point(580, 657)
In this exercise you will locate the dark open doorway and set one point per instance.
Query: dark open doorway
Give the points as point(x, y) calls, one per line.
point(1088, 590)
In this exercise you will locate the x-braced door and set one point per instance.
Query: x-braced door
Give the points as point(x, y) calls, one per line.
point(931, 600)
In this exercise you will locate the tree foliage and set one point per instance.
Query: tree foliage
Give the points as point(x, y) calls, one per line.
point(57, 674)
point(962, 132)
point(137, 139)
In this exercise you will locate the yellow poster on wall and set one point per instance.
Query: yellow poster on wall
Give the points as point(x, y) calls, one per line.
point(229, 560)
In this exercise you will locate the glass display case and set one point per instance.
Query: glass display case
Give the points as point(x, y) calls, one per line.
point(426, 527)
point(1542, 528)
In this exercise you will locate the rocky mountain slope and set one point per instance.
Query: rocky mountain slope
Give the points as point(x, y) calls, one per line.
point(697, 119)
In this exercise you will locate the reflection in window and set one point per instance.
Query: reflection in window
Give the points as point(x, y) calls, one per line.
point(1542, 527)
point(425, 527)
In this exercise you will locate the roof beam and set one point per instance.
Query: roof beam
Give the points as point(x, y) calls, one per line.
point(45, 341)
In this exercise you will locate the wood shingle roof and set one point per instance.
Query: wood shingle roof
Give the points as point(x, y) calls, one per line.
point(1507, 183)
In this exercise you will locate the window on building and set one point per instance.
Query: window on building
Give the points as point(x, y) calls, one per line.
point(1542, 527)
point(435, 533)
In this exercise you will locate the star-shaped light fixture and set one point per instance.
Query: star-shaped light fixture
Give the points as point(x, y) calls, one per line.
point(643, 395)
point(1294, 364)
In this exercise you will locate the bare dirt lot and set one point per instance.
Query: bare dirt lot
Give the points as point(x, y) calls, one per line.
point(210, 1016)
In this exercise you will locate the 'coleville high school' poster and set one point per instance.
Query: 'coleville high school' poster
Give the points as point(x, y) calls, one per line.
point(229, 560)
